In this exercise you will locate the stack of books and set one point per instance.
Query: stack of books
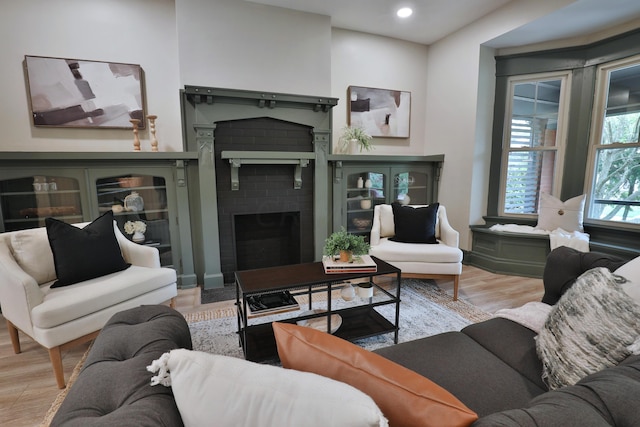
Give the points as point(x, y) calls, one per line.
point(359, 264)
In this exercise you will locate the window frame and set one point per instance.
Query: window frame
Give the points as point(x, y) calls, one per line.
point(561, 134)
point(601, 93)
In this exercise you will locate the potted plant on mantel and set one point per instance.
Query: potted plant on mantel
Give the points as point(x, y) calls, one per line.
point(346, 245)
point(353, 138)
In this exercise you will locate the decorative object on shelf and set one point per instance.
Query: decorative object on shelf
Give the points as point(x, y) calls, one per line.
point(134, 202)
point(360, 183)
point(152, 128)
point(380, 112)
point(361, 223)
point(367, 183)
point(320, 323)
point(346, 245)
point(136, 139)
point(354, 140)
point(137, 228)
point(365, 290)
point(348, 292)
point(365, 204)
point(404, 199)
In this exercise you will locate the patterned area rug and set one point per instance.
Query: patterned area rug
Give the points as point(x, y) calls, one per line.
point(424, 310)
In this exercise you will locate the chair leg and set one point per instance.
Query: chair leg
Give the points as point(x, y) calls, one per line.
point(455, 287)
point(172, 302)
point(55, 354)
point(15, 340)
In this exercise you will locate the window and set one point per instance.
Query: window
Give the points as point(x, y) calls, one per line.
point(533, 143)
point(614, 193)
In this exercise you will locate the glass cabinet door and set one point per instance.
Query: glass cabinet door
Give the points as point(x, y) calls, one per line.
point(139, 204)
point(411, 187)
point(364, 190)
point(27, 201)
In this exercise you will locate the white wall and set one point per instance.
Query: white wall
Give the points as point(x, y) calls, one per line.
point(452, 111)
point(243, 45)
point(140, 32)
point(360, 59)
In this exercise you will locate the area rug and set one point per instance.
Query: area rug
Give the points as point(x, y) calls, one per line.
point(424, 310)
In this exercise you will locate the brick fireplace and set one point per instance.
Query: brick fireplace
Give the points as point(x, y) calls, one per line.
point(263, 177)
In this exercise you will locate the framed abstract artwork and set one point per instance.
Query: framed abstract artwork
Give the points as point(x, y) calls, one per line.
point(84, 94)
point(380, 112)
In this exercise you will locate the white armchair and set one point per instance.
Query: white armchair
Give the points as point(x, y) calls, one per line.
point(435, 261)
point(58, 318)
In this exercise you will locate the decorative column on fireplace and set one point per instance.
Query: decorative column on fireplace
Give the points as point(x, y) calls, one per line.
point(263, 166)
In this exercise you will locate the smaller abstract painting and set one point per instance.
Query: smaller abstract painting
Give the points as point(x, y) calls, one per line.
point(380, 112)
point(84, 94)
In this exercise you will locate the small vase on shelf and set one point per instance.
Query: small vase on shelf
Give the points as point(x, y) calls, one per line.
point(138, 237)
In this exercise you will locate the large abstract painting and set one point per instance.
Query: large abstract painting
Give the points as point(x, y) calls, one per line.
point(81, 93)
point(380, 112)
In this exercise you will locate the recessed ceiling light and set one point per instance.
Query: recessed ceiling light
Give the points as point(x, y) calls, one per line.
point(404, 12)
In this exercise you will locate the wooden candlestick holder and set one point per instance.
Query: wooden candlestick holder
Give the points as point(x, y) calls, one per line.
point(136, 140)
point(152, 128)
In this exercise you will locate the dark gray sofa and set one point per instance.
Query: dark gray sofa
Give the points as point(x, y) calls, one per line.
point(493, 367)
point(113, 388)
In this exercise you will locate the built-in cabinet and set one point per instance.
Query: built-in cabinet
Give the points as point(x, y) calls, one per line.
point(358, 186)
point(138, 190)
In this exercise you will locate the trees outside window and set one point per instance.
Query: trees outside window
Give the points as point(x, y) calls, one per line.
point(614, 190)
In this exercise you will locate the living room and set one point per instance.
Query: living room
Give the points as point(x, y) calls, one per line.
point(250, 46)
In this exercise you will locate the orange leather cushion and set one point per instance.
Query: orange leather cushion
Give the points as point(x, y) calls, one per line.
point(405, 397)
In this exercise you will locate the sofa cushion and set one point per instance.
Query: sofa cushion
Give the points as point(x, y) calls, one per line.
point(415, 224)
point(84, 253)
point(520, 354)
point(564, 265)
point(470, 372)
point(406, 398)
point(387, 227)
point(553, 213)
point(588, 330)
point(31, 250)
point(631, 272)
point(113, 387)
point(606, 398)
point(218, 390)
point(67, 303)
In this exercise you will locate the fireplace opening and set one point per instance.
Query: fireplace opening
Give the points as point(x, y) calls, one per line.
point(267, 239)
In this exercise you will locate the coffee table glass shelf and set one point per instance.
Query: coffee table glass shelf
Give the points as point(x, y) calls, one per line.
point(359, 317)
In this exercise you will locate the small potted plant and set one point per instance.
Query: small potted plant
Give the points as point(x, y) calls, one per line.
point(353, 136)
point(346, 245)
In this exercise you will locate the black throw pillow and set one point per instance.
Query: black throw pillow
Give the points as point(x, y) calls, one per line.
point(81, 254)
point(415, 225)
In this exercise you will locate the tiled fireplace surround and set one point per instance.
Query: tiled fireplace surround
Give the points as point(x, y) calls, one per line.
point(263, 164)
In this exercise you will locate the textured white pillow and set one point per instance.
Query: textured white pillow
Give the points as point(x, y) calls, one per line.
point(211, 389)
point(33, 254)
point(589, 329)
point(553, 213)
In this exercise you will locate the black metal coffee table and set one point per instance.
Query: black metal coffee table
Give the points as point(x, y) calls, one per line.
point(360, 321)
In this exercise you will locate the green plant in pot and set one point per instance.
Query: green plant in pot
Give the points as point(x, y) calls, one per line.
point(356, 135)
point(346, 245)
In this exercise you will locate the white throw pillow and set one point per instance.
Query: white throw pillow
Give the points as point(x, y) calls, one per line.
point(33, 254)
point(631, 272)
point(211, 389)
point(553, 213)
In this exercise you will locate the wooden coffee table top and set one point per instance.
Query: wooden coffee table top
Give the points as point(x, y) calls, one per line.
point(291, 276)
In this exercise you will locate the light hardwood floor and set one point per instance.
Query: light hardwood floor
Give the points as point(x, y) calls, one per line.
point(28, 387)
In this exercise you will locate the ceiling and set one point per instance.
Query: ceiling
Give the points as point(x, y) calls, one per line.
point(435, 19)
